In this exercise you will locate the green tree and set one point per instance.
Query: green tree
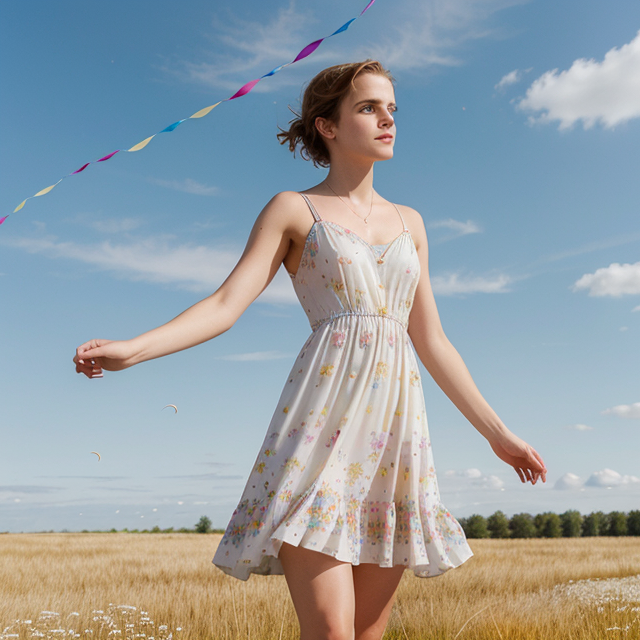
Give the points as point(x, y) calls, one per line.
point(593, 524)
point(498, 525)
point(633, 523)
point(522, 526)
point(571, 522)
point(475, 526)
point(548, 525)
point(616, 524)
point(204, 525)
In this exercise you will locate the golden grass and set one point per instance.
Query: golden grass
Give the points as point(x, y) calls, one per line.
point(505, 592)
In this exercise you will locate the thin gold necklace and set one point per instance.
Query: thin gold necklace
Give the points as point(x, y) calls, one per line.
point(370, 208)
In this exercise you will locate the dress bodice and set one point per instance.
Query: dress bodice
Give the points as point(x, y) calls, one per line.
point(341, 273)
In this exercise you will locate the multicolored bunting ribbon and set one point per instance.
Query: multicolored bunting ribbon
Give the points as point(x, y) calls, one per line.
point(307, 51)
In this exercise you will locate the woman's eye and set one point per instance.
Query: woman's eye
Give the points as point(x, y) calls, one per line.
point(367, 107)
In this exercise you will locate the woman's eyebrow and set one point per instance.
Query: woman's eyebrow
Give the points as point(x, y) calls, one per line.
point(373, 101)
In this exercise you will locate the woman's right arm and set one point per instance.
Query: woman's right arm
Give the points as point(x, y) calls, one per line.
point(266, 248)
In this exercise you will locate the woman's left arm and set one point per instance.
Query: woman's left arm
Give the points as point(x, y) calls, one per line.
point(449, 371)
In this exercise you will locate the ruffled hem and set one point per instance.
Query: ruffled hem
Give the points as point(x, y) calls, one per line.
point(428, 540)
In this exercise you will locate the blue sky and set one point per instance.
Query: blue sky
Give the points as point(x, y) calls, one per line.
point(518, 131)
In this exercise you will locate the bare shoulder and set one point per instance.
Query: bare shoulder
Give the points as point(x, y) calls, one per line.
point(415, 223)
point(284, 209)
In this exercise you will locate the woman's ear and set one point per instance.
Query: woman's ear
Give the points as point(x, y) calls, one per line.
point(325, 128)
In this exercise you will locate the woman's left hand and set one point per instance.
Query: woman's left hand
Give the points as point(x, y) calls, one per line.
point(521, 456)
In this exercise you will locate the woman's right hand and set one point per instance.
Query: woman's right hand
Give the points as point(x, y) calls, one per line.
point(94, 356)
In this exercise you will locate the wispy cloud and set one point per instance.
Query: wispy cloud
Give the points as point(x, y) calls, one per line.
point(203, 476)
point(457, 227)
point(188, 186)
point(510, 78)
point(454, 283)
point(429, 34)
point(104, 478)
point(124, 489)
point(476, 478)
point(425, 34)
point(186, 266)
point(631, 411)
point(579, 427)
point(590, 247)
point(615, 280)
point(107, 225)
point(28, 488)
point(256, 356)
point(251, 47)
point(606, 92)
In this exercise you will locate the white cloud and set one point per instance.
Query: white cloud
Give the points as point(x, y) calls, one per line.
point(251, 47)
point(459, 228)
point(195, 268)
point(107, 225)
point(203, 269)
point(579, 427)
point(610, 478)
point(427, 31)
point(598, 245)
point(476, 478)
point(568, 482)
point(635, 309)
point(423, 35)
point(631, 411)
point(466, 473)
point(255, 356)
point(453, 284)
point(615, 280)
point(489, 482)
point(510, 78)
point(606, 92)
point(188, 186)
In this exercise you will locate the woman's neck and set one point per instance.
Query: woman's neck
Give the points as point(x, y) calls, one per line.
point(351, 181)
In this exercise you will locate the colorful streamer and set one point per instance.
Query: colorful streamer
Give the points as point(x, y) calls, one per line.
point(307, 51)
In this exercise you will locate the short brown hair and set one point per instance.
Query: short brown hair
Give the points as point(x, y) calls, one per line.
point(322, 99)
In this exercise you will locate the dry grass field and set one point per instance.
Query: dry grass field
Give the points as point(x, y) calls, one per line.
point(161, 586)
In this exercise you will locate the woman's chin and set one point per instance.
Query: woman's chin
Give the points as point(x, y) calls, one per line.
point(385, 156)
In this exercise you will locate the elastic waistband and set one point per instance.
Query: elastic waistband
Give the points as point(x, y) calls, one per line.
point(318, 323)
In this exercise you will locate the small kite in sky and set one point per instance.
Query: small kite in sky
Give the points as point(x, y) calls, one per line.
point(99, 457)
point(170, 405)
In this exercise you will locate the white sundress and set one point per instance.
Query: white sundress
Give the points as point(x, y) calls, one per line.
point(346, 467)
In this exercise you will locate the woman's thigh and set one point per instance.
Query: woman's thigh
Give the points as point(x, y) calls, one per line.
point(322, 591)
point(375, 589)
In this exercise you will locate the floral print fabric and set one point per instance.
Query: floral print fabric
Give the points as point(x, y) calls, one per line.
point(346, 466)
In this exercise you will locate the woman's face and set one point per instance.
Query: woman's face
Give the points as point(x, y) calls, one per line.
point(366, 128)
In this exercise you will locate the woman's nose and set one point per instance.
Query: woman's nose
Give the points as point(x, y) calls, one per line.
point(387, 119)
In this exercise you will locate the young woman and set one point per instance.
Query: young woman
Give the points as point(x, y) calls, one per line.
point(343, 495)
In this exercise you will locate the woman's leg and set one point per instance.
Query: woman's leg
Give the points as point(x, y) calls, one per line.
point(375, 589)
point(322, 591)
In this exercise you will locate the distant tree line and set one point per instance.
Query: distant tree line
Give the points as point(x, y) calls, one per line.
point(202, 526)
point(570, 524)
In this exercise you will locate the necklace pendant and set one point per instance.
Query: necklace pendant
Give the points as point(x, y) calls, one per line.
point(380, 261)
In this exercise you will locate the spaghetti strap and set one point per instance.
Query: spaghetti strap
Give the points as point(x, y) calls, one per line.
point(316, 217)
point(401, 218)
